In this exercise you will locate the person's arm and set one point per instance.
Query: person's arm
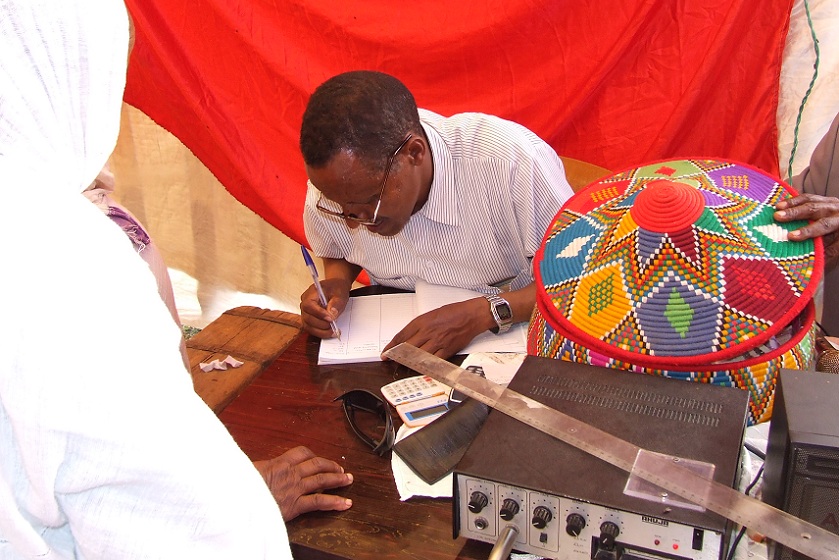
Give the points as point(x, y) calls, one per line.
point(338, 279)
point(819, 203)
point(821, 176)
point(448, 329)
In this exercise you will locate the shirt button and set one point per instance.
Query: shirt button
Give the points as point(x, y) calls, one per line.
point(429, 264)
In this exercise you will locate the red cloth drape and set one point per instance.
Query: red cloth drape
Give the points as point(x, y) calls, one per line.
point(611, 82)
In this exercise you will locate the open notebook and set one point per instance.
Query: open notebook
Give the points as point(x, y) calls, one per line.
point(369, 322)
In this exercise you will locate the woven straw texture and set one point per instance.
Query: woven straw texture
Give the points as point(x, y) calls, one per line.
point(678, 268)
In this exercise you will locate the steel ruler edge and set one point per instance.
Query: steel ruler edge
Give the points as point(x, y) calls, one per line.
point(663, 471)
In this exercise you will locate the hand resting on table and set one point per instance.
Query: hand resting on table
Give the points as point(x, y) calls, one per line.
point(297, 479)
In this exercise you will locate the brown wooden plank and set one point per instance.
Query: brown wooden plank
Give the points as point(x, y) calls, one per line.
point(581, 174)
point(251, 335)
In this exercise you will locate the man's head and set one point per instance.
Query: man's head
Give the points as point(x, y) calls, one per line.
point(365, 150)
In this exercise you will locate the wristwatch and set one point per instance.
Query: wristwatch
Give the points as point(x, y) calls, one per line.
point(501, 312)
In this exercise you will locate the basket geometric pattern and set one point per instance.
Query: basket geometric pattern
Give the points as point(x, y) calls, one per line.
point(672, 267)
point(756, 374)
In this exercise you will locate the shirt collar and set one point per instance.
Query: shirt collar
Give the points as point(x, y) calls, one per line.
point(443, 204)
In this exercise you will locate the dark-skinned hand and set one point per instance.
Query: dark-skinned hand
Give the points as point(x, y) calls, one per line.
point(297, 479)
point(316, 319)
point(446, 330)
point(823, 214)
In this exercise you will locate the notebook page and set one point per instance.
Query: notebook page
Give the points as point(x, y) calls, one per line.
point(367, 324)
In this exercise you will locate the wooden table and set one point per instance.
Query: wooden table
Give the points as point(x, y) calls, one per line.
point(285, 399)
point(580, 174)
point(291, 403)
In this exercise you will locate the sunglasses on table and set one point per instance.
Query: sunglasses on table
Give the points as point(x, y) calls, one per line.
point(369, 418)
point(374, 221)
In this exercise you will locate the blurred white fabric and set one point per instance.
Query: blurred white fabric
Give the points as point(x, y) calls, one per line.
point(797, 72)
point(222, 255)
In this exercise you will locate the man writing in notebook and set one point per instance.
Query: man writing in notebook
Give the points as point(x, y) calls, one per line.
point(408, 195)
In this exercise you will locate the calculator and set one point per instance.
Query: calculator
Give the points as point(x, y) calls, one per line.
point(413, 389)
point(421, 412)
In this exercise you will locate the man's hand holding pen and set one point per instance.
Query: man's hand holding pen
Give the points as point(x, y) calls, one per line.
point(318, 319)
point(321, 312)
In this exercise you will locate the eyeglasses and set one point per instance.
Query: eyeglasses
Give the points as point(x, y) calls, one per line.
point(374, 221)
point(368, 402)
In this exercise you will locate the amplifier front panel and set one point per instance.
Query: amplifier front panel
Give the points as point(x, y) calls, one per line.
point(566, 529)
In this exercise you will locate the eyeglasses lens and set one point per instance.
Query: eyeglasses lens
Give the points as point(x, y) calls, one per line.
point(369, 418)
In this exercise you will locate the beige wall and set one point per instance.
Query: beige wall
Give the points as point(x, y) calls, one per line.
point(220, 254)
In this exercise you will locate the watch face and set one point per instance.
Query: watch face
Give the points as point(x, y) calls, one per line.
point(504, 312)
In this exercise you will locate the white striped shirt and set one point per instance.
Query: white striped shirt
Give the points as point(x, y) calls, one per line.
point(496, 189)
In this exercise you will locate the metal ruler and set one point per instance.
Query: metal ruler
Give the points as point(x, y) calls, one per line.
point(665, 472)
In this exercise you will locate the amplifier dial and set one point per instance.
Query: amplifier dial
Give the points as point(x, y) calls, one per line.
point(574, 524)
point(509, 509)
point(477, 502)
point(609, 531)
point(541, 517)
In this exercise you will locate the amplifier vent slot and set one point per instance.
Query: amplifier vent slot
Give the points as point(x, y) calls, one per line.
point(628, 400)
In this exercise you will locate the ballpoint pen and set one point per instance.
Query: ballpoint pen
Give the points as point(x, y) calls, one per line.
point(311, 264)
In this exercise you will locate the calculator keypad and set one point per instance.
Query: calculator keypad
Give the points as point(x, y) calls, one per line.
point(411, 389)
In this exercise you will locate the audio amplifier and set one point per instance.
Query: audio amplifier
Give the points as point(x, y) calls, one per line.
point(568, 504)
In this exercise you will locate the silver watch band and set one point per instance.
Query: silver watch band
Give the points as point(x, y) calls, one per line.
point(501, 312)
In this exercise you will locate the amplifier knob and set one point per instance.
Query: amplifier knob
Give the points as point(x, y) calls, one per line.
point(541, 517)
point(509, 509)
point(609, 531)
point(477, 502)
point(574, 524)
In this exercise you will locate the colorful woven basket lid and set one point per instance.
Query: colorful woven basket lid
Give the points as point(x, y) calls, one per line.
point(674, 266)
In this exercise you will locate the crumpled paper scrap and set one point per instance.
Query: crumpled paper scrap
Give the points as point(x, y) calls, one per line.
point(220, 364)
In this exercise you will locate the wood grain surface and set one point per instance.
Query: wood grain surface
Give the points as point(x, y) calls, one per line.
point(292, 403)
point(251, 335)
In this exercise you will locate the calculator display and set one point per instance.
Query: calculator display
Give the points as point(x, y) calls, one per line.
point(422, 413)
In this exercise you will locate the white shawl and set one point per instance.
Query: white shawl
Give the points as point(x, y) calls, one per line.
point(62, 75)
point(105, 449)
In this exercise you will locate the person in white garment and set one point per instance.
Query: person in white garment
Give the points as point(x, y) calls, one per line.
point(100, 193)
point(106, 452)
point(406, 194)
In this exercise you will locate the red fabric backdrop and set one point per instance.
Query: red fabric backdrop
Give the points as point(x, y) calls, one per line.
point(612, 82)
